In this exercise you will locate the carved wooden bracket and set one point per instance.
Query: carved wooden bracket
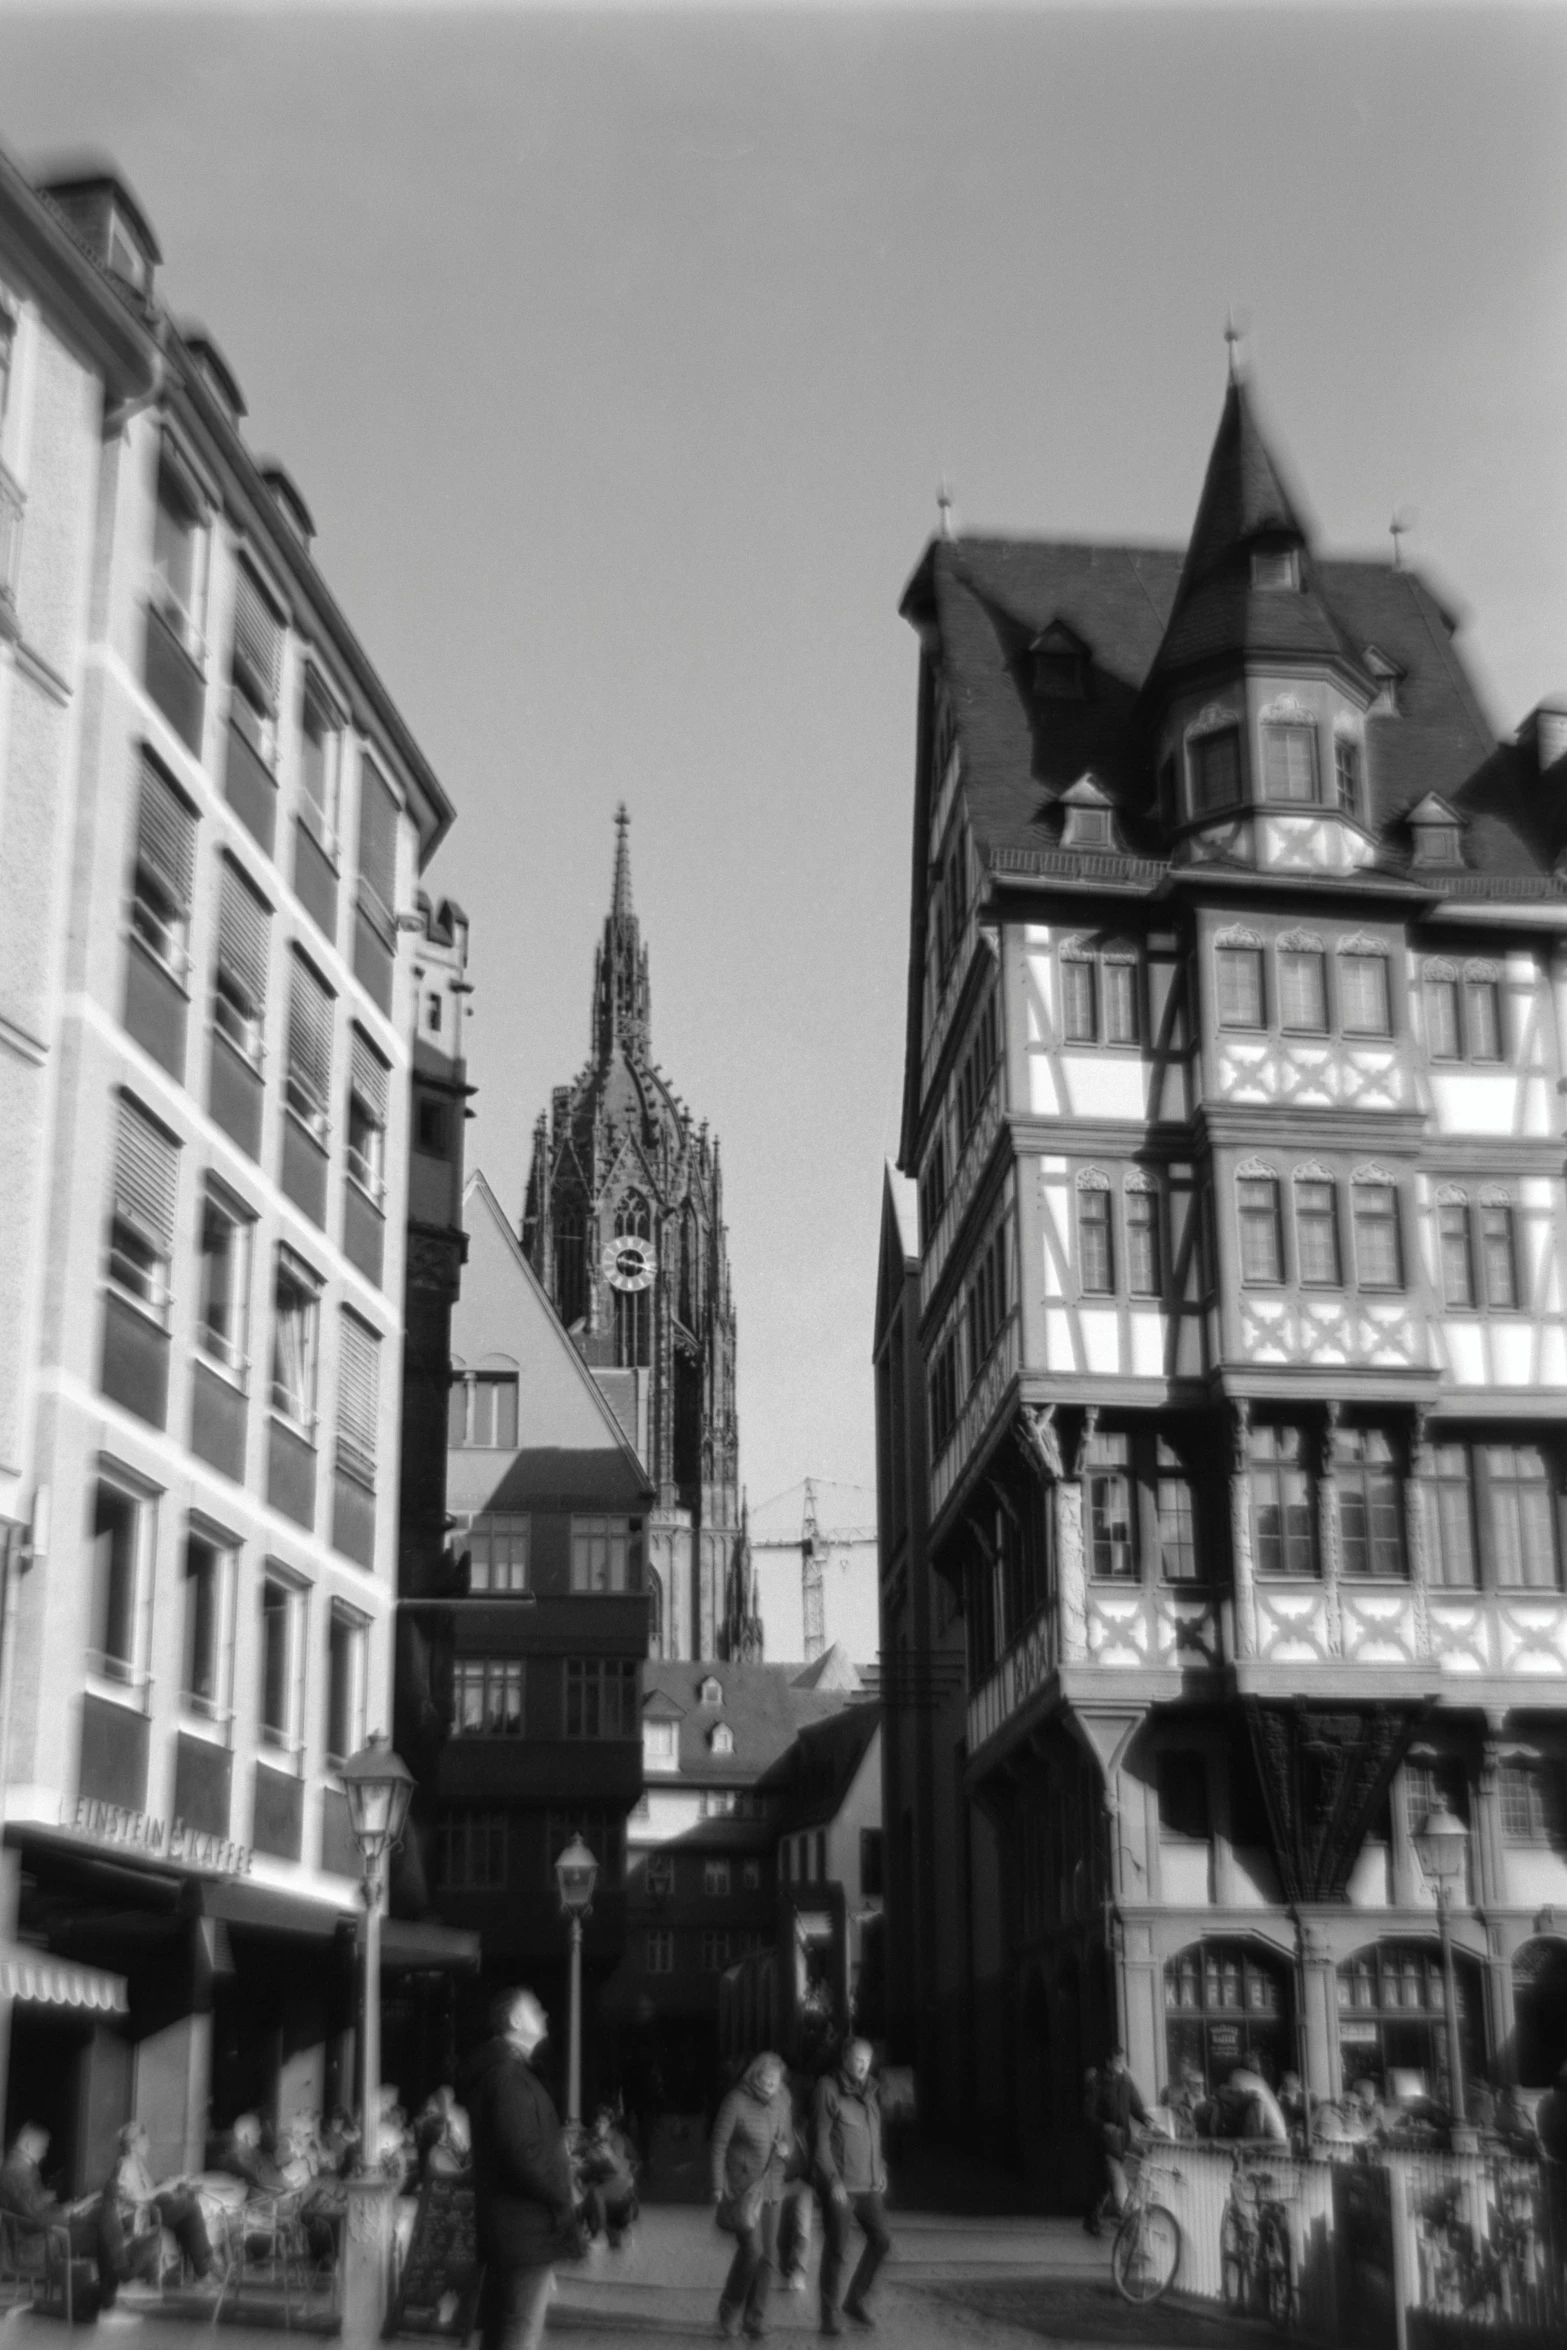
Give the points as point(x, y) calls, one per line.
point(1324, 1775)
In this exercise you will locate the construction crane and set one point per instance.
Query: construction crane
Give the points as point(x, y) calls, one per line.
point(814, 1547)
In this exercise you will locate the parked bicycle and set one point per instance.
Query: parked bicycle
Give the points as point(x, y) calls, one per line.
point(1256, 2262)
point(1147, 2250)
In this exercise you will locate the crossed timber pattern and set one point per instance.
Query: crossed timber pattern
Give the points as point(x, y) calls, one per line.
point(1328, 1075)
point(1332, 1330)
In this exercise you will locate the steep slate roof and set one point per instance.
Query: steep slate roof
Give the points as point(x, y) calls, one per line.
point(819, 1769)
point(764, 1706)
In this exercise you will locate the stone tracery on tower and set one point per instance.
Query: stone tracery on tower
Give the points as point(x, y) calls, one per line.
point(623, 1223)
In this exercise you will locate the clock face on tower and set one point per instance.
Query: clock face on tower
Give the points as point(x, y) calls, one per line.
point(629, 1263)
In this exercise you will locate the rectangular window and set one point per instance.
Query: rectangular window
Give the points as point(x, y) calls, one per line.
point(601, 1698)
point(1379, 1260)
point(1443, 1041)
point(282, 1644)
point(348, 1642)
point(498, 1553)
point(660, 1950)
point(1303, 990)
point(432, 1130)
point(1095, 1243)
point(161, 883)
point(1122, 1025)
point(141, 1220)
point(1316, 1235)
point(715, 1879)
point(1370, 1504)
point(1498, 1255)
point(1453, 1522)
point(1262, 1240)
point(358, 1396)
point(320, 754)
point(1452, 1220)
point(239, 984)
point(296, 1334)
point(1483, 1019)
point(378, 845)
point(1346, 775)
point(208, 1575)
point(1522, 1518)
point(715, 1953)
point(1144, 1255)
point(1079, 1004)
point(309, 1089)
point(121, 1528)
point(1283, 1536)
point(223, 1305)
point(1241, 999)
point(258, 654)
point(1533, 1811)
point(1365, 997)
point(471, 1851)
point(1216, 770)
point(987, 1299)
point(1289, 763)
point(1178, 1556)
point(179, 545)
point(606, 1554)
point(660, 1745)
point(369, 1089)
point(660, 1876)
point(944, 1395)
point(487, 1697)
point(1111, 1522)
point(483, 1411)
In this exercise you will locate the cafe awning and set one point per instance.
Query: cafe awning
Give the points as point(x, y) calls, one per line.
point(47, 1981)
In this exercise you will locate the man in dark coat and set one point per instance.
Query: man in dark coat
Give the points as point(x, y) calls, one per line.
point(522, 2174)
point(1112, 2104)
point(846, 2151)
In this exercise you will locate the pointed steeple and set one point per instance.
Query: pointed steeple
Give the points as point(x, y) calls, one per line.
point(621, 1006)
point(1248, 585)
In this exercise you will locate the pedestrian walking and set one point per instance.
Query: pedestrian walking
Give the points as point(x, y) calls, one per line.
point(752, 2138)
point(846, 2150)
point(522, 2175)
point(1111, 2105)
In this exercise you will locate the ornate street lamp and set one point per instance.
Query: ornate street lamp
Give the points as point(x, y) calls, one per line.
point(1441, 1847)
point(576, 1873)
point(379, 1787)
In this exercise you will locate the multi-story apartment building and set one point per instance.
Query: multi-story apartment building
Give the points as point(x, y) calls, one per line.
point(1236, 1049)
point(212, 814)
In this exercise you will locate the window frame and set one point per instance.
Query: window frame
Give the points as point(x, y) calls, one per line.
point(1368, 958)
point(1229, 959)
point(618, 1569)
point(214, 1705)
point(143, 1219)
point(122, 1670)
point(219, 1205)
point(348, 1644)
point(594, 1678)
point(1143, 1235)
point(367, 1115)
point(254, 693)
point(320, 815)
point(499, 1684)
point(1278, 735)
point(1095, 1234)
point(309, 1288)
point(183, 615)
point(478, 1873)
point(1349, 777)
point(1363, 1222)
point(285, 1737)
point(1268, 1464)
point(1251, 1216)
point(512, 1527)
point(1114, 1468)
point(1292, 960)
point(1359, 1476)
point(1314, 1226)
point(1201, 764)
point(163, 886)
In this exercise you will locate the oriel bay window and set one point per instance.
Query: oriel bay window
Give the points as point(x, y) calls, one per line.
point(1316, 1229)
point(1283, 1525)
point(1346, 776)
point(1303, 988)
point(1140, 1507)
point(1215, 769)
point(1261, 1231)
point(1370, 1503)
point(1112, 1544)
point(1289, 762)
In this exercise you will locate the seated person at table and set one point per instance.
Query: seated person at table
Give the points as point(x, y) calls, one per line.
point(1249, 2109)
point(145, 2205)
point(244, 2157)
point(95, 2231)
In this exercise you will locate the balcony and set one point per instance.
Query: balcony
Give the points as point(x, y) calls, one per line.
point(156, 1008)
point(315, 879)
point(135, 1360)
point(250, 787)
point(218, 1411)
point(113, 1755)
point(291, 1473)
point(279, 1814)
point(235, 1094)
point(303, 1171)
point(174, 680)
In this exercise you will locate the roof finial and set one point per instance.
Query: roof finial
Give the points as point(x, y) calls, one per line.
point(1234, 330)
point(944, 503)
point(621, 903)
point(1402, 522)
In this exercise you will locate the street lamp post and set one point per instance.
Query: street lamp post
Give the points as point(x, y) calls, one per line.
point(1441, 1846)
point(378, 1786)
point(576, 1873)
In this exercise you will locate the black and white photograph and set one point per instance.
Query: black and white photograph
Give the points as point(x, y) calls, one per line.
point(783, 1172)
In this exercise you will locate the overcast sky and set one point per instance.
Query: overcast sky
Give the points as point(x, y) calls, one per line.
point(619, 358)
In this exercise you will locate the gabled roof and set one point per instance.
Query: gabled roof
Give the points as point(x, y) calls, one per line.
point(821, 1767)
point(763, 1705)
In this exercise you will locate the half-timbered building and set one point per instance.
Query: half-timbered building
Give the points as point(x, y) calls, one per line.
point(1237, 991)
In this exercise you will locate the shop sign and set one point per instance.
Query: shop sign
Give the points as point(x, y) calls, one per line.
point(1224, 2043)
point(1358, 2035)
point(139, 1831)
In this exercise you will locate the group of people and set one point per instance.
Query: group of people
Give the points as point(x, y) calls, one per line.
point(539, 2194)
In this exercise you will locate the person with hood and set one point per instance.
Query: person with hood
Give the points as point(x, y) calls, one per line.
point(522, 2174)
point(846, 2149)
point(753, 2138)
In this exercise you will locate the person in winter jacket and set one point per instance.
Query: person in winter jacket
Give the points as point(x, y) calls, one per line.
point(1112, 2102)
point(522, 2175)
point(753, 2137)
point(846, 2150)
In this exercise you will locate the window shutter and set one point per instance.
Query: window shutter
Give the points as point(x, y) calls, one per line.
point(166, 834)
point(146, 1176)
point(358, 1392)
point(258, 637)
point(244, 923)
point(310, 1033)
point(369, 1075)
point(378, 837)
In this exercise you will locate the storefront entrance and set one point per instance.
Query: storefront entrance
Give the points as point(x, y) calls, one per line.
point(1392, 2017)
point(1227, 2003)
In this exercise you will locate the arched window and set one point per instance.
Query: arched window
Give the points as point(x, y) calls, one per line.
point(1227, 2003)
point(1392, 2014)
point(634, 1302)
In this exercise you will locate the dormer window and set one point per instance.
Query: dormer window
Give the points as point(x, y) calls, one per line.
point(1388, 675)
point(722, 1739)
point(1289, 763)
point(1216, 770)
point(660, 1745)
point(1087, 818)
point(1275, 567)
point(712, 1691)
point(1435, 828)
point(1059, 664)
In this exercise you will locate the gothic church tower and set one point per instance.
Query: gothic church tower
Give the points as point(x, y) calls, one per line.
point(624, 1226)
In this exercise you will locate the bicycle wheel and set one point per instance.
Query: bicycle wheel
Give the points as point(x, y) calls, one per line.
point(1234, 2260)
point(1146, 2253)
point(1278, 2271)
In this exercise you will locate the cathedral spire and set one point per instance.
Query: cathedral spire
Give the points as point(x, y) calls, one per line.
point(621, 1006)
